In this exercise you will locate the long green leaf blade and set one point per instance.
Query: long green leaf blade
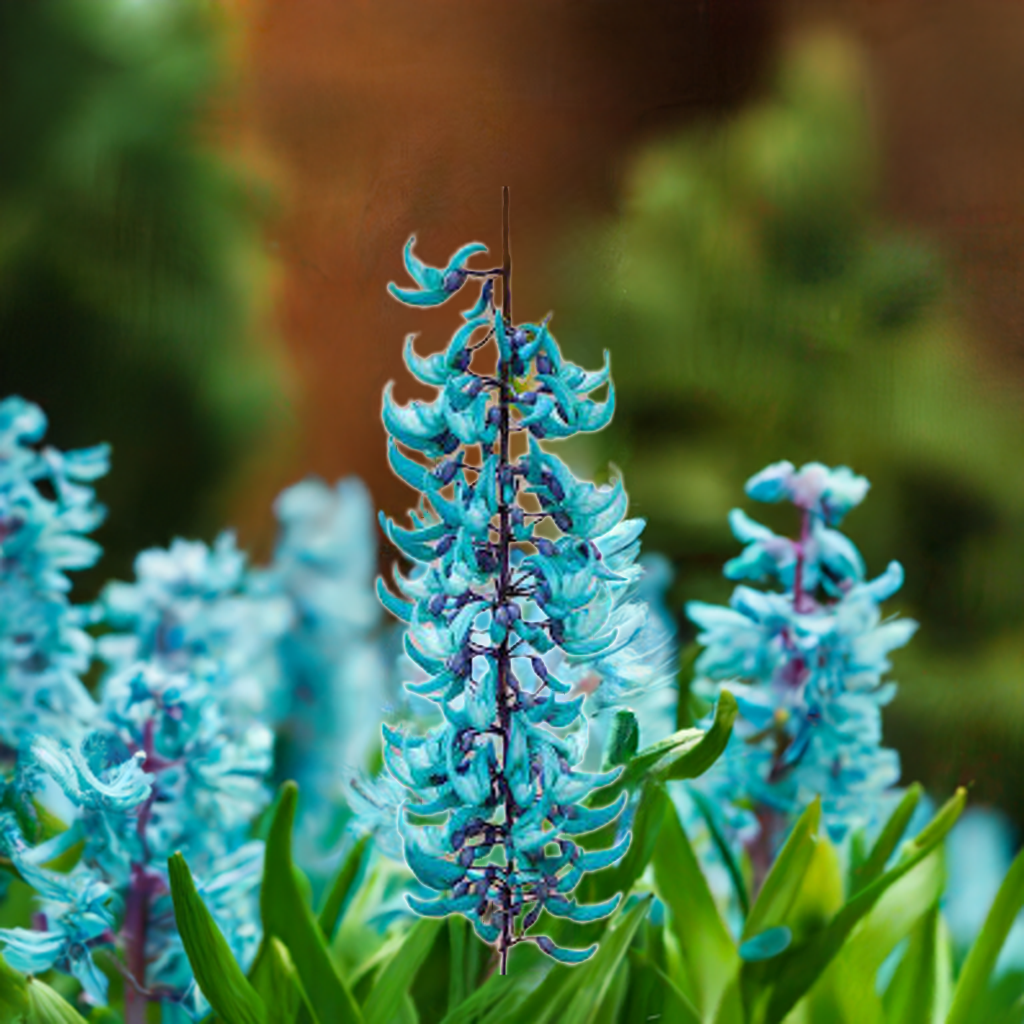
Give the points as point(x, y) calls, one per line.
point(286, 914)
point(798, 969)
point(338, 894)
point(981, 961)
point(398, 974)
point(596, 975)
point(786, 876)
point(887, 842)
point(705, 945)
point(216, 970)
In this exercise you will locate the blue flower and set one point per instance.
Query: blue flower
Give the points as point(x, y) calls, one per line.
point(433, 284)
point(47, 510)
point(806, 663)
point(334, 677)
point(503, 621)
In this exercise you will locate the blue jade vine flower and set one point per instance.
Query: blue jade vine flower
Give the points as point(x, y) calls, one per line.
point(47, 510)
point(805, 662)
point(517, 566)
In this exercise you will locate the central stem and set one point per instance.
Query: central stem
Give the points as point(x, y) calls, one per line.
point(135, 919)
point(505, 694)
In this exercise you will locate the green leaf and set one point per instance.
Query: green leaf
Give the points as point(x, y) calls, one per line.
point(683, 755)
point(275, 978)
point(13, 994)
point(919, 992)
point(682, 1011)
point(723, 848)
point(597, 974)
point(797, 969)
point(981, 961)
point(338, 894)
point(217, 972)
point(396, 978)
point(457, 979)
point(887, 842)
point(846, 990)
point(498, 998)
point(287, 916)
point(705, 945)
point(46, 1007)
point(786, 876)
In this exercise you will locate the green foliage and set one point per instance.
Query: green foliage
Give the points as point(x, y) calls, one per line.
point(132, 280)
point(807, 953)
point(758, 306)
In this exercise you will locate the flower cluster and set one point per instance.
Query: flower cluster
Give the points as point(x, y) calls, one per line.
point(518, 567)
point(47, 508)
point(331, 693)
point(175, 757)
point(805, 662)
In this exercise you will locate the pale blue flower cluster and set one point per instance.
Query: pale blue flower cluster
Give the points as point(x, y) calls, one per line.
point(171, 762)
point(805, 662)
point(333, 687)
point(47, 509)
point(518, 568)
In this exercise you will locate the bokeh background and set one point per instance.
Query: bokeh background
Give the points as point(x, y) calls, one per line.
point(798, 227)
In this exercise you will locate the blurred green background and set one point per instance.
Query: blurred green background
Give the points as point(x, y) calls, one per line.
point(201, 202)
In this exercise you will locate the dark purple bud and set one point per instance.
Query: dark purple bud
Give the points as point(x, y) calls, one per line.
point(466, 856)
point(458, 839)
point(538, 431)
point(545, 945)
point(438, 779)
point(437, 603)
point(462, 360)
point(461, 888)
point(545, 547)
point(448, 442)
point(446, 471)
point(513, 611)
point(527, 398)
point(494, 415)
point(444, 545)
point(539, 668)
point(556, 627)
point(475, 386)
point(518, 338)
point(518, 367)
point(517, 517)
point(544, 365)
point(501, 615)
point(453, 280)
point(563, 521)
point(482, 907)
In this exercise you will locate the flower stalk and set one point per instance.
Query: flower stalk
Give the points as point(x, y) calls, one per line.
point(498, 610)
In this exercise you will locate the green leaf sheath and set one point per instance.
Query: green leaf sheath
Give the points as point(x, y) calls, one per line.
point(216, 970)
point(287, 916)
